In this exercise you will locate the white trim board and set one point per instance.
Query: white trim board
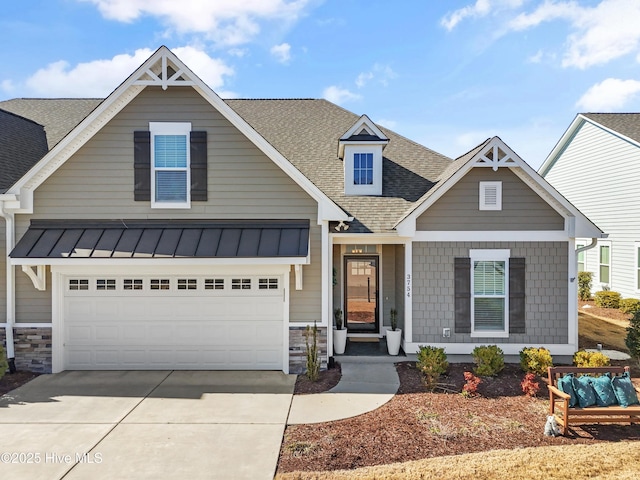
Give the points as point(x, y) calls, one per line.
point(492, 236)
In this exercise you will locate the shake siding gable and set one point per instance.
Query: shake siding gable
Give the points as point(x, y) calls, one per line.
point(458, 209)
point(599, 173)
point(243, 183)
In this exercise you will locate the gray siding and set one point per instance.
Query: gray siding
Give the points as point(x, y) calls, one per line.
point(97, 183)
point(599, 173)
point(389, 280)
point(546, 313)
point(399, 285)
point(522, 208)
point(3, 275)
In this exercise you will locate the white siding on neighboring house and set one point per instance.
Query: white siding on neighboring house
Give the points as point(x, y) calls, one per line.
point(600, 173)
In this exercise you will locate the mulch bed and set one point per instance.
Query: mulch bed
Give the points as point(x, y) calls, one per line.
point(11, 381)
point(589, 307)
point(328, 379)
point(417, 424)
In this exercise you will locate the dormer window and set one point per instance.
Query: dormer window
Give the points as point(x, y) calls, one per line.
point(361, 150)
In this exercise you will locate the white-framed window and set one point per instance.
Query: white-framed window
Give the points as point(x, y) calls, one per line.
point(214, 283)
point(355, 249)
point(582, 266)
point(267, 284)
point(170, 165)
point(159, 284)
point(187, 284)
point(490, 293)
point(78, 284)
point(132, 284)
point(490, 196)
point(105, 284)
point(363, 170)
point(240, 284)
point(636, 249)
point(604, 264)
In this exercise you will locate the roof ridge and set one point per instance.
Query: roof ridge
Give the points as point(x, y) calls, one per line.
point(21, 117)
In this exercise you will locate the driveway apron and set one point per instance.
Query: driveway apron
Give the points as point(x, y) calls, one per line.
point(145, 424)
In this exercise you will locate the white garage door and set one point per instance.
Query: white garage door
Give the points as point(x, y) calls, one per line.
point(173, 322)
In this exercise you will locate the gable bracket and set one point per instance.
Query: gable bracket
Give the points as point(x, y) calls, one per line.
point(163, 80)
point(495, 161)
point(38, 277)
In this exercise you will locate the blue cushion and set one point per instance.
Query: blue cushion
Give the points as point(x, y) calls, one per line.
point(624, 391)
point(604, 390)
point(584, 391)
point(565, 384)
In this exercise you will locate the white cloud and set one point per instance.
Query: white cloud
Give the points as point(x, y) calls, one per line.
point(381, 73)
point(481, 8)
point(227, 22)
point(281, 52)
point(599, 34)
point(536, 58)
point(609, 95)
point(98, 78)
point(339, 95)
point(7, 86)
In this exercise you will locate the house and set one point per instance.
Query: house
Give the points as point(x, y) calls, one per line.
point(596, 166)
point(165, 228)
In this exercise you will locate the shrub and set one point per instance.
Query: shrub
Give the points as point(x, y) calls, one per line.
point(432, 362)
point(470, 388)
point(633, 336)
point(607, 299)
point(535, 360)
point(3, 362)
point(584, 285)
point(629, 305)
point(583, 358)
point(313, 363)
point(489, 360)
point(529, 386)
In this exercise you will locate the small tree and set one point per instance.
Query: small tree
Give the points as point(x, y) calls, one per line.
point(313, 363)
point(432, 362)
point(584, 285)
point(633, 336)
point(4, 366)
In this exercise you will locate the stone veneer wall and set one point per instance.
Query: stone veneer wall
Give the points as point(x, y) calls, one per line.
point(298, 349)
point(32, 348)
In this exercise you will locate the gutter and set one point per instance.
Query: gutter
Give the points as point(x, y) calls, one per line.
point(594, 242)
point(9, 219)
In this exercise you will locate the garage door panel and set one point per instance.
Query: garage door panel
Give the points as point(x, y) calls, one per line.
point(173, 329)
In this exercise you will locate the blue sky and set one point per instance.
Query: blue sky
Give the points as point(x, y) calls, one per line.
point(445, 73)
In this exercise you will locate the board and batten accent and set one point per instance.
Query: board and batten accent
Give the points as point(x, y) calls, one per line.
point(605, 188)
point(458, 209)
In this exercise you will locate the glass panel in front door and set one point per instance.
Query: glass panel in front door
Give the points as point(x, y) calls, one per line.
point(361, 283)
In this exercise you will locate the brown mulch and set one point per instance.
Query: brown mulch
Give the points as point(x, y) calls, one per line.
point(328, 379)
point(11, 381)
point(612, 314)
point(417, 424)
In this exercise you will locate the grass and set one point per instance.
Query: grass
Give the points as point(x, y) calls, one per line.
point(619, 461)
point(594, 331)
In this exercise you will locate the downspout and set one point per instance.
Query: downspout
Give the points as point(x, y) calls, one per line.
point(594, 242)
point(9, 220)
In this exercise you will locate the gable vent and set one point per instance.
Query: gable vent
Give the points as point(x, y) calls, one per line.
point(490, 196)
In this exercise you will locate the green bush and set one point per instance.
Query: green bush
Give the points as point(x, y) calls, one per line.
point(629, 305)
point(583, 358)
point(432, 362)
point(633, 336)
point(584, 285)
point(535, 360)
point(607, 299)
point(489, 360)
point(4, 366)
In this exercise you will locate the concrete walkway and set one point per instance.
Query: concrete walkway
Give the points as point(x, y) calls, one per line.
point(362, 388)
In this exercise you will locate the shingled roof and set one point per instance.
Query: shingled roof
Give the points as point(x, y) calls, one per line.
point(627, 124)
point(306, 132)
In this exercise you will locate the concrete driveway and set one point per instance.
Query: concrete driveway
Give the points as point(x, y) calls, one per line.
point(145, 424)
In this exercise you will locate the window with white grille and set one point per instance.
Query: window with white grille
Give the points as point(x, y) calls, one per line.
point(241, 284)
point(78, 284)
point(214, 283)
point(267, 283)
point(105, 284)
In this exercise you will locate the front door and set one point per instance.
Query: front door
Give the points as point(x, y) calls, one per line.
point(361, 294)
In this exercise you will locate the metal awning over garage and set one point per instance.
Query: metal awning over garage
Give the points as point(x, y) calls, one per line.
point(87, 239)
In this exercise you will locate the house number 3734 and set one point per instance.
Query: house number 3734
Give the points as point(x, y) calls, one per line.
point(408, 286)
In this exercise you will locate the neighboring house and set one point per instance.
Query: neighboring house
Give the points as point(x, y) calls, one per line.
point(165, 228)
point(596, 166)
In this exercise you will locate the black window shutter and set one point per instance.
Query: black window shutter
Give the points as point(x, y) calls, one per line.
point(199, 166)
point(516, 295)
point(462, 293)
point(142, 166)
